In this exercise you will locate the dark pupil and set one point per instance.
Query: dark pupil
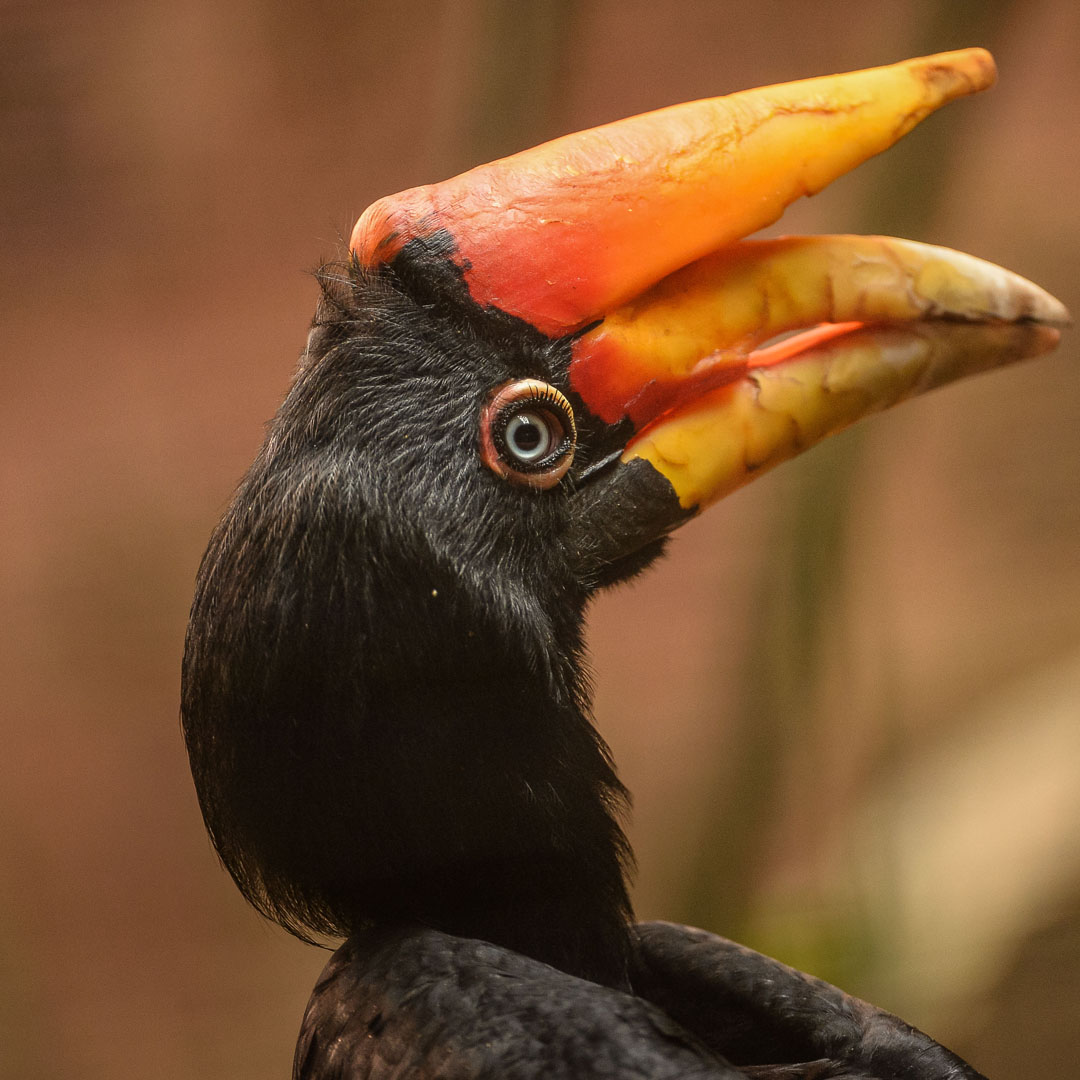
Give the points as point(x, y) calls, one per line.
point(527, 436)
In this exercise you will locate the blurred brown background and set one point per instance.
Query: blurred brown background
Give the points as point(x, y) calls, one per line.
point(847, 703)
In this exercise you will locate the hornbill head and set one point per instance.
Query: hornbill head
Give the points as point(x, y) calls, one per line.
point(516, 385)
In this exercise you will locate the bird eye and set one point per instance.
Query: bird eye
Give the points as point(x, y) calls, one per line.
point(527, 433)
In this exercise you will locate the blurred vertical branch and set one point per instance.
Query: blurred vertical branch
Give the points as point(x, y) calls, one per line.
point(800, 602)
point(500, 78)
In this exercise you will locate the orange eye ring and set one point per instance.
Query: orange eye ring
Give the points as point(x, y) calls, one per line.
point(527, 434)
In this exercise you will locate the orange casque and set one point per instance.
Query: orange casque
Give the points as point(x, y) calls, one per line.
point(560, 234)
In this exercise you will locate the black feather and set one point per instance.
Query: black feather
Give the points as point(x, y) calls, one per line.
point(387, 711)
point(384, 699)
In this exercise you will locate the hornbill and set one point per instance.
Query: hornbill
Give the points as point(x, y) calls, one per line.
point(517, 383)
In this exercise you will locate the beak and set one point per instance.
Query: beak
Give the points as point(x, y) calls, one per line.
point(870, 321)
point(706, 358)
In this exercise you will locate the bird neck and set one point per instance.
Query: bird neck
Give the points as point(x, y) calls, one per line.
point(520, 845)
point(499, 805)
point(400, 749)
point(563, 911)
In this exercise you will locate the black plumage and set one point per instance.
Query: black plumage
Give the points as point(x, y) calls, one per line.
point(381, 611)
point(388, 719)
point(423, 1004)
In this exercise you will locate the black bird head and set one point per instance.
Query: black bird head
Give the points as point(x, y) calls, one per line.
point(516, 385)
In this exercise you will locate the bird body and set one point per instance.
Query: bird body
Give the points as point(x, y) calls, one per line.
point(422, 1004)
point(385, 697)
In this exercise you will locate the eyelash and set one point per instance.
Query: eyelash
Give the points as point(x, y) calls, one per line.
point(515, 398)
